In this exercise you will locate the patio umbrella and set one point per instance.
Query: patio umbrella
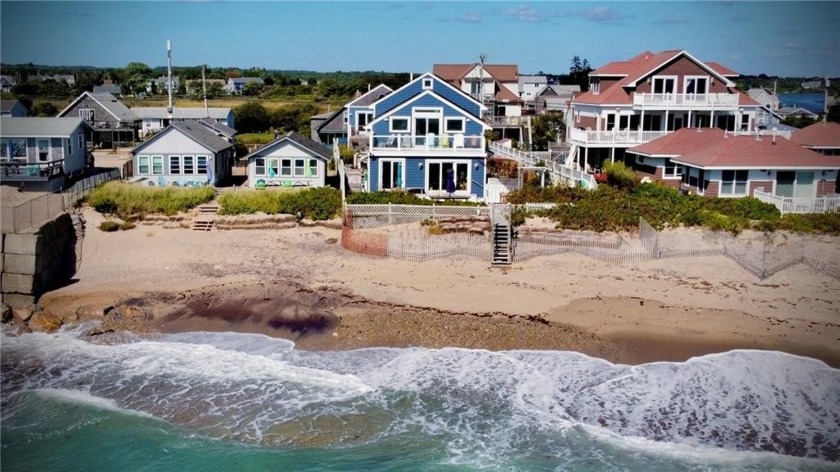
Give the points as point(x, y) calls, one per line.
point(450, 181)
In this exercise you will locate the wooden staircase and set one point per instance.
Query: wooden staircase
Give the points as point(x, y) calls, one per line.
point(206, 217)
point(526, 136)
point(502, 246)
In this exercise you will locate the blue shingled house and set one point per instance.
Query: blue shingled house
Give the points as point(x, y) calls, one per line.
point(427, 137)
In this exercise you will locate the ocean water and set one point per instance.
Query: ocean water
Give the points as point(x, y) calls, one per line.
point(225, 401)
point(813, 102)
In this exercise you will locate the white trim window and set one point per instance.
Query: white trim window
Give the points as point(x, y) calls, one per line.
point(143, 165)
point(428, 83)
point(391, 174)
point(300, 167)
point(455, 125)
point(399, 124)
point(696, 85)
point(285, 168)
point(595, 85)
point(671, 170)
point(44, 150)
point(664, 84)
point(313, 168)
point(201, 164)
point(157, 165)
point(437, 173)
point(174, 164)
point(17, 146)
point(259, 166)
point(189, 164)
point(87, 114)
point(363, 117)
point(734, 182)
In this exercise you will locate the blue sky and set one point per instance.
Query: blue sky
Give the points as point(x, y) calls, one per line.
point(776, 38)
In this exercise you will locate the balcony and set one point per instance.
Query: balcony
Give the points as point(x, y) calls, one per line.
point(20, 170)
point(613, 138)
point(447, 143)
point(682, 101)
point(505, 120)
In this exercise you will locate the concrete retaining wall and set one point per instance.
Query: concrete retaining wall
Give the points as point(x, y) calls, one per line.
point(33, 263)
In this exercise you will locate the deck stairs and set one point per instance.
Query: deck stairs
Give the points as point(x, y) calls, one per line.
point(206, 217)
point(558, 169)
point(502, 236)
point(526, 135)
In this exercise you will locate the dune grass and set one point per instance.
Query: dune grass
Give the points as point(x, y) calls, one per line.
point(322, 203)
point(126, 200)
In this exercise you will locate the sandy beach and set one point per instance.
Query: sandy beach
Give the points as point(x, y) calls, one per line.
point(300, 284)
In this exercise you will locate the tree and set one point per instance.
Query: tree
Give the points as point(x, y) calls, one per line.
point(252, 89)
point(251, 117)
point(136, 76)
point(545, 129)
point(579, 72)
point(44, 109)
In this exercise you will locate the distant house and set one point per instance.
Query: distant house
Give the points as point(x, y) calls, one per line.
point(494, 85)
point(70, 79)
point(6, 82)
point(822, 137)
point(113, 89)
point(154, 119)
point(114, 123)
point(13, 109)
point(765, 97)
point(327, 127)
point(716, 163)
point(359, 115)
point(812, 84)
point(530, 85)
point(796, 112)
point(159, 85)
point(39, 153)
point(235, 86)
point(427, 137)
point(292, 160)
point(554, 97)
point(185, 153)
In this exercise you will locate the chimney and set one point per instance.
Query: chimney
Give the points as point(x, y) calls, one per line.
point(411, 77)
point(368, 87)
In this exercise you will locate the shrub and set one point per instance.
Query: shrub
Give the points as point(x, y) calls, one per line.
point(127, 225)
point(828, 223)
point(345, 153)
point(399, 197)
point(126, 200)
point(321, 203)
point(619, 175)
point(435, 229)
point(109, 226)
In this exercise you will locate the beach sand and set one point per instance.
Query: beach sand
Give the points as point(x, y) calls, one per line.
point(300, 284)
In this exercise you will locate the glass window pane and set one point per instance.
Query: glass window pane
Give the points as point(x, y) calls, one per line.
point(461, 172)
point(189, 165)
point(201, 164)
point(434, 176)
point(299, 168)
point(386, 177)
point(174, 164)
point(259, 166)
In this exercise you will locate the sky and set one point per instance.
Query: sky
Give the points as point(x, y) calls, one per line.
point(776, 38)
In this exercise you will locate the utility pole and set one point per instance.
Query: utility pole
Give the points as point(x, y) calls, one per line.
point(825, 100)
point(169, 77)
point(204, 89)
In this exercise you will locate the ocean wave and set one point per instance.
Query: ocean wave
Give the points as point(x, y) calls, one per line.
point(481, 404)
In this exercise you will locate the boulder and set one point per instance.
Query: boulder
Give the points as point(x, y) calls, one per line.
point(130, 312)
point(25, 313)
point(43, 321)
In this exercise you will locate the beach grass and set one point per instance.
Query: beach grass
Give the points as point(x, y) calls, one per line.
point(126, 200)
point(321, 203)
point(255, 138)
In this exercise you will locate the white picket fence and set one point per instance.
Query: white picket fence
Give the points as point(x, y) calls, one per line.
point(375, 216)
point(800, 205)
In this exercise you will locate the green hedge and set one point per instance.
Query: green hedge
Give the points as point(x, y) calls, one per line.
point(401, 198)
point(322, 203)
point(126, 200)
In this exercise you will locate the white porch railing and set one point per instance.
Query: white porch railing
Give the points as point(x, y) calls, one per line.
point(431, 142)
point(682, 100)
point(617, 138)
point(505, 120)
point(558, 169)
point(800, 205)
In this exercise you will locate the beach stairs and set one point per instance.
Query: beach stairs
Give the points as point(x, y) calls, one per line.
point(206, 217)
point(502, 245)
point(526, 136)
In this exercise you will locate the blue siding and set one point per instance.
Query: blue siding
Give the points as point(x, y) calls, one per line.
point(478, 178)
point(473, 127)
point(416, 87)
point(415, 177)
point(373, 174)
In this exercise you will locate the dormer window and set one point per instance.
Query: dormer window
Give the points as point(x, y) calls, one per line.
point(664, 84)
point(696, 85)
point(595, 85)
point(427, 84)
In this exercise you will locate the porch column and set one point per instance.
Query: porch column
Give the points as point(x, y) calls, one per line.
point(712, 120)
point(689, 124)
point(585, 160)
point(612, 154)
point(665, 125)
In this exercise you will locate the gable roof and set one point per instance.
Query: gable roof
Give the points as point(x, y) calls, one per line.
point(181, 113)
point(456, 72)
point(7, 105)
point(33, 127)
point(300, 141)
point(107, 101)
point(413, 98)
point(107, 88)
point(818, 135)
point(371, 96)
point(193, 130)
point(715, 148)
point(429, 75)
point(533, 79)
point(334, 122)
point(560, 90)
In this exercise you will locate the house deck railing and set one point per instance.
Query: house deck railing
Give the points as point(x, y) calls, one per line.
point(800, 205)
point(505, 120)
point(618, 137)
point(685, 100)
point(17, 170)
point(431, 142)
point(556, 168)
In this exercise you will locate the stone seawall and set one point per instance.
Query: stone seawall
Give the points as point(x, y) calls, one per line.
point(33, 263)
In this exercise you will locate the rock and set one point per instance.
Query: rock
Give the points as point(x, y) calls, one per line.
point(43, 321)
point(6, 311)
point(88, 311)
point(130, 312)
point(331, 241)
point(25, 313)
